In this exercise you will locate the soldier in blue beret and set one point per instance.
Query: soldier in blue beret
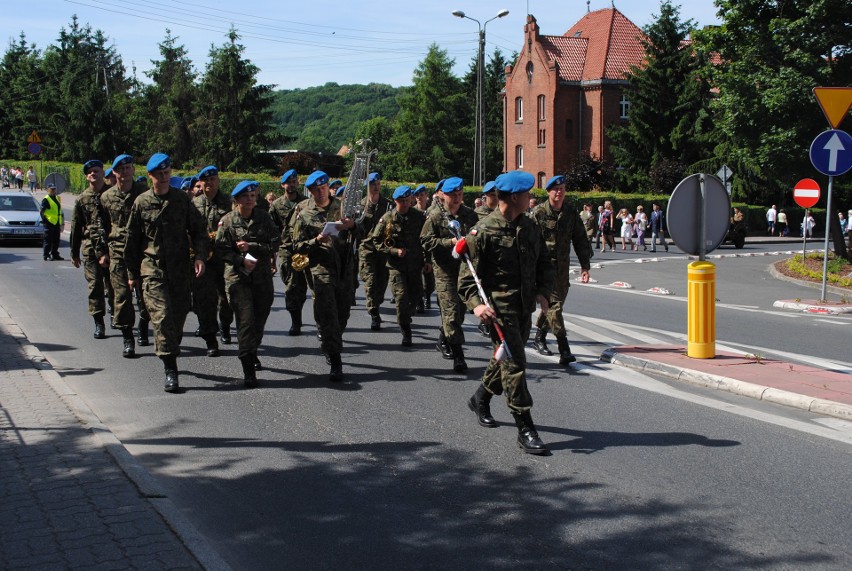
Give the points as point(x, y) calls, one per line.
point(420, 201)
point(335, 185)
point(508, 254)
point(295, 284)
point(89, 165)
point(372, 263)
point(489, 200)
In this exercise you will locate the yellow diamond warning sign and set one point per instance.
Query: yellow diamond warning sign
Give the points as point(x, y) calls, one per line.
point(835, 103)
point(34, 138)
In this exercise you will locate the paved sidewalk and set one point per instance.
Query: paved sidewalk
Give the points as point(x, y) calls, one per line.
point(65, 502)
point(810, 388)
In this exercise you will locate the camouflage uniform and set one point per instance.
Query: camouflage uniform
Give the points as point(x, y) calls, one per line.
point(157, 251)
point(482, 211)
point(250, 294)
point(511, 259)
point(295, 283)
point(208, 291)
point(404, 272)
point(428, 280)
point(373, 265)
point(117, 206)
point(88, 238)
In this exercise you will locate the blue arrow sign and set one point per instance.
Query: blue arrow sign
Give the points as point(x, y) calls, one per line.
point(831, 152)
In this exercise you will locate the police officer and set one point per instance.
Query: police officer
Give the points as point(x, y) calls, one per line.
point(88, 243)
point(295, 284)
point(330, 264)
point(117, 204)
point(508, 253)
point(397, 237)
point(561, 226)
point(161, 224)
point(439, 241)
point(246, 242)
point(373, 265)
point(54, 221)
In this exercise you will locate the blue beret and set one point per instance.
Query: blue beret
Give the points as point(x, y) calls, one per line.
point(421, 188)
point(340, 191)
point(286, 176)
point(108, 173)
point(188, 182)
point(176, 181)
point(158, 161)
point(208, 171)
point(90, 164)
point(557, 180)
point(374, 176)
point(122, 160)
point(244, 186)
point(489, 187)
point(440, 185)
point(316, 178)
point(336, 181)
point(453, 184)
point(401, 192)
point(515, 182)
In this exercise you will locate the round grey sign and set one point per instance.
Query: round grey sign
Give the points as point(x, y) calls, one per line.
point(57, 180)
point(684, 211)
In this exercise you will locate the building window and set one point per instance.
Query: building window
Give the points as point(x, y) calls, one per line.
point(519, 109)
point(625, 106)
point(569, 129)
point(541, 179)
point(519, 157)
point(541, 107)
point(542, 137)
point(529, 72)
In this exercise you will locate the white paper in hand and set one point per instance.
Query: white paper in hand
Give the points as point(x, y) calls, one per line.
point(250, 258)
point(331, 228)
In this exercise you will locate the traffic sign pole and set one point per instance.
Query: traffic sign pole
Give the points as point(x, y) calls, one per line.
point(827, 232)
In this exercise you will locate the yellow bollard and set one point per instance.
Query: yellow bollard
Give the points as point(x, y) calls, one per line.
point(701, 308)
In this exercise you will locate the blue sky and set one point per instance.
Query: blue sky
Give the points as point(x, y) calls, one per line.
point(308, 43)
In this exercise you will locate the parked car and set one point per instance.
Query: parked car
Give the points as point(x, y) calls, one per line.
point(19, 217)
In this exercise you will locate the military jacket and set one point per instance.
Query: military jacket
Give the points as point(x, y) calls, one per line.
point(327, 261)
point(87, 225)
point(372, 214)
point(482, 211)
point(117, 206)
point(511, 260)
point(395, 231)
point(159, 231)
point(262, 235)
point(560, 229)
point(281, 210)
point(437, 239)
point(212, 211)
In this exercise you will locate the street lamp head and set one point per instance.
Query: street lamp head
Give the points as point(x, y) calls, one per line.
point(458, 13)
point(503, 12)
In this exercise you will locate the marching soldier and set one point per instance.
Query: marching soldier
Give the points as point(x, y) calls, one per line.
point(397, 237)
point(489, 200)
point(117, 204)
point(421, 198)
point(89, 236)
point(373, 265)
point(508, 254)
point(561, 226)
point(295, 284)
point(246, 243)
point(161, 224)
point(329, 261)
point(439, 241)
point(208, 291)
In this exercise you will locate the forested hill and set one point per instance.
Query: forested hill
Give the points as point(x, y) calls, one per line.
point(321, 119)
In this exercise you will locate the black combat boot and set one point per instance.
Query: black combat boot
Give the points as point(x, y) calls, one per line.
point(225, 338)
point(421, 307)
point(257, 365)
point(170, 365)
point(428, 299)
point(528, 439)
point(212, 345)
point(479, 403)
point(459, 364)
point(249, 374)
point(143, 333)
point(443, 346)
point(565, 356)
point(100, 329)
point(406, 335)
point(336, 373)
point(375, 323)
point(484, 329)
point(540, 343)
point(129, 344)
point(295, 323)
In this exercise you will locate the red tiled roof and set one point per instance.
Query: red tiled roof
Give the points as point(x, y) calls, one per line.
point(614, 44)
point(569, 54)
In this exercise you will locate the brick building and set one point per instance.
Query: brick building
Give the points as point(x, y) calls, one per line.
point(564, 92)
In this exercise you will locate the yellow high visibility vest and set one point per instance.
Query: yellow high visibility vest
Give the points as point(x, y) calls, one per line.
point(54, 213)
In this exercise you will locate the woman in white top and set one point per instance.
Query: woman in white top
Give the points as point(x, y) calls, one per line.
point(640, 221)
point(626, 228)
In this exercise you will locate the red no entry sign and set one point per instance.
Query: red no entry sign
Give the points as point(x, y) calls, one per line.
point(806, 192)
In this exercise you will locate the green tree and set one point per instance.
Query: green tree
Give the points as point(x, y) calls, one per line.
point(19, 97)
point(234, 115)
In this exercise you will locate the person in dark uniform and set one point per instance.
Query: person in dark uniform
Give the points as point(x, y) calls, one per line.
point(54, 221)
point(489, 200)
point(397, 237)
point(246, 242)
point(330, 264)
point(561, 226)
point(161, 224)
point(373, 265)
point(421, 199)
point(508, 253)
point(295, 283)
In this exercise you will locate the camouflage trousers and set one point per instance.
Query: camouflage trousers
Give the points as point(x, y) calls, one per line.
point(374, 274)
point(210, 300)
point(407, 290)
point(124, 316)
point(553, 320)
point(168, 302)
point(451, 306)
point(332, 304)
point(98, 284)
point(509, 376)
point(428, 282)
point(296, 291)
point(251, 301)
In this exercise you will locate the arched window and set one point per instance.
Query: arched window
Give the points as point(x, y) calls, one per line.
point(519, 109)
point(542, 180)
point(541, 115)
point(519, 157)
point(529, 71)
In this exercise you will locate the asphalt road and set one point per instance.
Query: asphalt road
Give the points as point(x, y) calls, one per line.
point(391, 470)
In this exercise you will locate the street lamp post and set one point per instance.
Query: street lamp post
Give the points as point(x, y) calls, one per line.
point(479, 134)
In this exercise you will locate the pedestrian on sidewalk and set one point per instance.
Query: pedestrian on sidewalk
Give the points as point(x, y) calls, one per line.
point(771, 219)
point(54, 221)
point(781, 224)
point(657, 232)
point(32, 179)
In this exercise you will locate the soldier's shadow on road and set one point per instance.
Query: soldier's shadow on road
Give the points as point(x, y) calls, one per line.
point(590, 441)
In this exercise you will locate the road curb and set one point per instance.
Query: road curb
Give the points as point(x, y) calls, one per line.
point(727, 384)
point(830, 288)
